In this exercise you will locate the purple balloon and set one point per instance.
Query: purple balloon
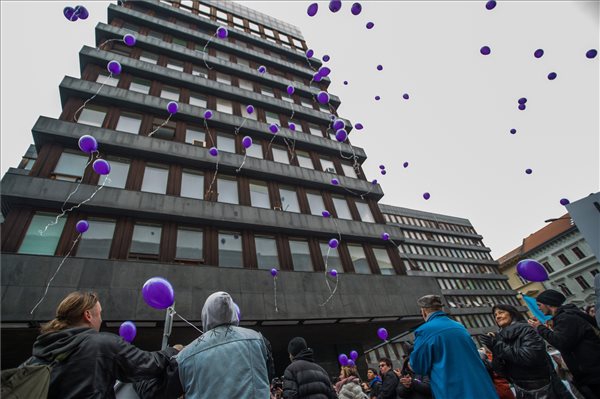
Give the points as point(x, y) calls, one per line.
point(222, 32)
point(326, 58)
point(335, 181)
point(326, 214)
point(522, 107)
point(312, 10)
point(213, 151)
point(127, 331)
point(382, 333)
point(273, 272)
point(532, 270)
point(323, 97)
point(381, 166)
point(485, 50)
point(385, 236)
point(564, 201)
point(172, 107)
point(405, 96)
point(309, 52)
point(317, 77)
point(405, 164)
point(324, 71)
point(114, 67)
point(247, 141)
point(380, 67)
point(343, 359)
point(338, 124)
point(370, 25)
point(539, 53)
point(351, 363)
point(208, 114)
point(82, 226)
point(356, 9)
point(335, 5)
point(358, 126)
point(262, 69)
point(333, 243)
point(345, 82)
point(290, 90)
point(592, 53)
point(237, 311)
point(490, 5)
point(333, 273)
point(129, 40)
point(374, 182)
point(292, 126)
point(101, 166)
point(88, 144)
point(426, 196)
point(81, 12)
point(377, 98)
point(250, 109)
point(158, 293)
point(273, 128)
point(552, 76)
point(341, 135)
point(522, 100)
point(513, 131)
point(528, 171)
point(353, 355)
point(383, 172)
point(69, 13)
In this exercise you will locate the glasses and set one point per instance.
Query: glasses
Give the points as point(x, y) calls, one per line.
point(382, 365)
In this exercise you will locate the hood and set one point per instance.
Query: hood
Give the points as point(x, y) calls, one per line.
point(305, 354)
point(572, 309)
point(218, 310)
point(374, 380)
point(48, 346)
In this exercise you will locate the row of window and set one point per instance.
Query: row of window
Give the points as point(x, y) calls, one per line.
point(446, 267)
point(476, 320)
point(564, 259)
point(581, 280)
point(428, 236)
point(190, 243)
point(473, 301)
point(472, 284)
point(408, 220)
point(447, 252)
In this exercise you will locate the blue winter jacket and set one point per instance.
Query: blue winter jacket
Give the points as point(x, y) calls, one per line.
point(446, 353)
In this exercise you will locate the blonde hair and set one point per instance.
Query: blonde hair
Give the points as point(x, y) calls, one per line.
point(349, 371)
point(69, 312)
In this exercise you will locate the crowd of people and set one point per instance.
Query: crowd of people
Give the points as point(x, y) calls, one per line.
point(443, 363)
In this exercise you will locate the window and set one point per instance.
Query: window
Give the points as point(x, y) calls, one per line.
point(170, 93)
point(327, 166)
point(222, 55)
point(156, 35)
point(365, 212)
point(145, 240)
point(349, 170)
point(192, 185)
point(316, 204)
point(121, 50)
point(199, 71)
point(198, 100)
point(259, 195)
point(301, 256)
point(119, 169)
point(140, 86)
point(594, 272)
point(266, 252)
point(225, 106)
point(304, 160)
point(384, 262)
point(289, 200)
point(280, 155)
point(204, 9)
point(285, 97)
point(227, 190)
point(272, 118)
point(36, 243)
point(255, 150)
point(92, 115)
point(226, 143)
point(179, 42)
point(105, 78)
point(582, 282)
point(96, 242)
point(578, 252)
point(341, 208)
point(222, 78)
point(253, 26)
point(266, 91)
point(189, 244)
point(564, 259)
point(307, 104)
point(547, 266)
point(149, 57)
point(238, 21)
point(175, 65)
point(70, 167)
point(194, 136)
point(331, 257)
point(162, 130)
point(359, 259)
point(315, 130)
point(565, 290)
point(155, 180)
point(253, 115)
point(230, 250)
point(129, 123)
point(221, 15)
point(269, 32)
point(245, 84)
point(244, 62)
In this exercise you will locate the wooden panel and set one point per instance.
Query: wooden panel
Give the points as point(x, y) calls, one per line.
point(14, 228)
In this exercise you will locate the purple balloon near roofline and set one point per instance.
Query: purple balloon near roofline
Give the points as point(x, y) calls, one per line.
point(101, 166)
point(335, 5)
point(370, 25)
point(312, 9)
point(564, 201)
point(356, 9)
point(591, 53)
point(129, 40)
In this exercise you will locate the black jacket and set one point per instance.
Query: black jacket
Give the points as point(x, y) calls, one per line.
point(95, 361)
point(420, 387)
point(304, 379)
point(573, 335)
point(388, 386)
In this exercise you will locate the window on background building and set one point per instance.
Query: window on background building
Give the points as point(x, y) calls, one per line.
point(245, 84)
point(331, 257)
point(145, 239)
point(224, 106)
point(35, 243)
point(129, 123)
point(163, 131)
point(200, 71)
point(359, 259)
point(327, 166)
point(119, 169)
point(285, 97)
point(565, 290)
point(365, 212)
point(578, 252)
point(266, 252)
point(565, 261)
point(192, 184)
point(272, 118)
point(304, 159)
point(289, 199)
point(238, 21)
point(198, 100)
point(594, 272)
point(155, 179)
point(255, 150)
point(315, 202)
point(204, 9)
point(341, 208)
point(230, 250)
point(301, 256)
point(384, 262)
point(280, 155)
point(92, 115)
point(156, 35)
point(253, 26)
point(140, 85)
point(259, 195)
point(267, 91)
point(121, 50)
point(70, 167)
point(223, 78)
point(244, 62)
point(149, 57)
point(547, 266)
point(315, 130)
point(189, 244)
point(179, 42)
point(308, 104)
point(582, 282)
point(252, 116)
point(349, 171)
point(175, 65)
point(96, 242)
point(228, 190)
point(195, 137)
point(105, 78)
point(221, 15)
point(222, 55)
point(170, 93)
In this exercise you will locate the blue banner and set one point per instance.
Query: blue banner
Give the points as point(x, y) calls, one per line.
point(533, 308)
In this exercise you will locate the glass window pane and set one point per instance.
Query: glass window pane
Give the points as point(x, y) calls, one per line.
point(149, 57)
point(383, 260)
point(365, 212)
point(175, 65)
point(228, 191)
point(93, 116)
point(226, 143)
point(70, 165)
point(255, 150)
point(245, 84)
point(222, 55)
point(259, 195)
point(341, 207)
point(224, 106)
point(349, 170)
point(96, 242)
point(266, 253)
point(289, 200)
point(304, 159)
point(280, 155)
point(198, 100)
point(170, 93)
point(146, 239)
point(272, 118)
point(244, 62)
point(193, 135)
point(118, 174)
point(267, 91)
point(189, 244)
point(179, 42)
point(230, 250)
point(105, 78)
point(129, 123)
point(38, 243)
point(192, 185)
point(315, 201)
point(222, 78)
point(155, 180)
point(140, 86)
point(359, 259)
point(200, 71)
point(327, 166)
point(301, 256)
point(332, 261)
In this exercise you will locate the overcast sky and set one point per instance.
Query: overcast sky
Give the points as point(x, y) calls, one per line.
point(454, 129)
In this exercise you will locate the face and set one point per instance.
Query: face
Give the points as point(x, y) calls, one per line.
point(592, 311)
point(93, 317)
point(384, 368)
point(502, 317)
point(370, 375)
point(544, 308)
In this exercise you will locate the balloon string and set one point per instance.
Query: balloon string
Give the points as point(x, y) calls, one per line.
point(212, 140)
point(55, 273)
point(337, 280)
point(92, 97)
point(326, 269)
point(243, 162)
point(271, 142)
point(181, 317)
point(275, 293)
point(107, 41)
point(205, 53)
point(161, 125)
point(209, 191)
point(237, 129)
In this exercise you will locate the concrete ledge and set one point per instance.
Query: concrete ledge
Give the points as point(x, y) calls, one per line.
point(447, 258)
point(470, 276)
point(430, 243)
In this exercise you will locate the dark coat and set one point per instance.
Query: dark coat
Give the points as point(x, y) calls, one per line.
point(573, 335)
point(95, 361)
point(375, 387)
point(388, 386)
point(304, 379)
point(420, 387)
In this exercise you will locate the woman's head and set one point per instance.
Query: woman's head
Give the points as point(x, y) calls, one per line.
point(505, 315)
point(346, 371)
point(371, 373)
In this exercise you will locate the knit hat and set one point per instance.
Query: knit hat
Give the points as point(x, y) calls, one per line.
point(551, 298)
point(296, 345)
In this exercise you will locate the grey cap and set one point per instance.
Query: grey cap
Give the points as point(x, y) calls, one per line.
point(430, 301)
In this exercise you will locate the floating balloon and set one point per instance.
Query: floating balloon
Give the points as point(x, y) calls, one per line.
point(292, 126)
point(522, 100)
point(353, 355)
point(528, 171)
point(564, 201)
point(317, 77)
point(81, 12)
point(101, 166)
point(114, 67)
point(172, 107)
point(262, 69)
point(383, 172)
point(380, 67)
point(341, 135)
point(290, 90)
point(485, 50)
point(88, 144)
point(158, 293)
point(326, 214)
point(82, 226)
point(208, 114)
point(405, 96)
point(335, 181)
point(552, 76)
point(323, 97)
point(326, 58)
point(273, 272)
point(490, 5)
point(335, 5)
point(405, 164)
point(309, 52)
point(592, 53)
point(522, 107)
point(382, 333)
point(345, 82)
point(513, 131)
point(128, 331)
point(356, 9)
point(333, 273)
point(213, 151)
point(358, 126)
point(250, 109)
point(539, 53)
point(338, 124)
point(370, 25)
point(324, 71)
point(333, 243)
point(69, 13)
point(374, 182)
point(385, 236)
point(247, 141)
point(426, 196)
point(532, 270)
point(381, 166)
point(343, 359)
point(129, 40)
point(312, 10)
point(273, 128)
point(351, 363)
point(222, 32)
point(377, 98)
